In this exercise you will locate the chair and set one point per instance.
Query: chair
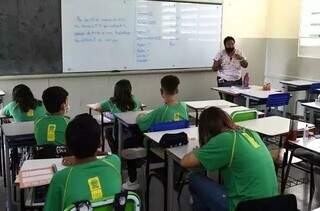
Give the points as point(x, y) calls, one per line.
point(162, 126)
point(239, 116)
point(313, 90)
point(277, 100)
point(131, 203)
point(313, 159)
point(49, 151)
point(276, 203)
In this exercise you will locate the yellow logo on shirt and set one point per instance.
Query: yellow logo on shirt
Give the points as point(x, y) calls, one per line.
point(30, 113)
point(95, 188)
point(176, 117)
point(251, 140)
point(51, 133)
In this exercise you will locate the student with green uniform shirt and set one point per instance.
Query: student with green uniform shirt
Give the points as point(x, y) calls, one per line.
point(241, 157)
point(50, 129)
point(24, 106)
point(88, 178)
point(122, 100)
point(171, 110)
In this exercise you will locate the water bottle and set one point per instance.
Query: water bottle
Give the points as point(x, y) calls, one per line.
point(246, 81)
point(306, 133)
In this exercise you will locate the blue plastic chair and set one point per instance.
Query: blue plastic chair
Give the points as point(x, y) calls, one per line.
point(313, 90)
point(277, 100)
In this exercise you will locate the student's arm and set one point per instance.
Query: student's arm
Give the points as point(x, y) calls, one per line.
point(95, 106)
point(145, 121)
point(54, 197)
point(214, 155)
point(6, 111)
point(190, 161)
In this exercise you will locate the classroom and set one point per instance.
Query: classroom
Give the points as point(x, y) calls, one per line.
point(160, 105)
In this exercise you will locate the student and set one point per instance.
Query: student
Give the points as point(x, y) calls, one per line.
point(24, 106)
point(170, 110)
point(122, 99)
point(241, 157)
point(88, 178)
point(50, 129)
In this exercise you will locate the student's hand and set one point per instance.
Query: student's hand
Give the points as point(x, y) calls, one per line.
point(237, 56)
point(68, 161)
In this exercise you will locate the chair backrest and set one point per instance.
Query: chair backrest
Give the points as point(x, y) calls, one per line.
point(107, 204)
point(280, 99)
point(276, 203)
point(314, 88)
point(244, 115)
point(173, 125)
point(49, 151)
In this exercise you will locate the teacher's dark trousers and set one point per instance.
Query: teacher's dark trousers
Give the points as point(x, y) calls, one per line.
point(224, 83)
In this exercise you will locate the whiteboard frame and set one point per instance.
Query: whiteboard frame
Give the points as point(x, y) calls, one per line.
point(155, 70)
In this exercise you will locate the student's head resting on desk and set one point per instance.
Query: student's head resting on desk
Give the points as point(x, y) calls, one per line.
point(55, 100)
point(241, 157)
point(82, 139)
point(212, 122)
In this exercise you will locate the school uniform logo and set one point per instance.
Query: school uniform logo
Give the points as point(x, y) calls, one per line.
point(176, 117)
point(30, 113)
point(95, 188)
point(51, 133)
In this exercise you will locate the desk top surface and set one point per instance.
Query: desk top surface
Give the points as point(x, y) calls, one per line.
point(208, 103)
point(18, 129)
point(271, 126)
point(298, 83)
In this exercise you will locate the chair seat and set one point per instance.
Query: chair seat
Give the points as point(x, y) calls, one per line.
point(134, 153)
point(310, 157)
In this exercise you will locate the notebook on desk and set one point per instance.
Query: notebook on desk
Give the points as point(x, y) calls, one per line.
point(34, 177)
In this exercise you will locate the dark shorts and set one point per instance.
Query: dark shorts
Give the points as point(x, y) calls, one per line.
point(224, 83)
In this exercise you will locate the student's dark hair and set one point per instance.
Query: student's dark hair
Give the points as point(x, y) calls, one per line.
point(122, 96)
point(212, 122)
point(83, 136)
point(228, 38)
point(169, 84)
point(23, 96)
point(53, 97)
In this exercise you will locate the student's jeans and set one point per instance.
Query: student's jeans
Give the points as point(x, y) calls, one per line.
point(224, 83)
point(207, 195)
point(134, 140)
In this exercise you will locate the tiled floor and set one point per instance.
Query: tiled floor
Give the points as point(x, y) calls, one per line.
point(156, 196)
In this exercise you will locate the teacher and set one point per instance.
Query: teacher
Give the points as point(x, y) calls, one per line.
point(228, 64)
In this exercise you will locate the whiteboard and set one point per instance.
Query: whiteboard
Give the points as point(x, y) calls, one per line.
point(309, 36)
point(106, 35)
